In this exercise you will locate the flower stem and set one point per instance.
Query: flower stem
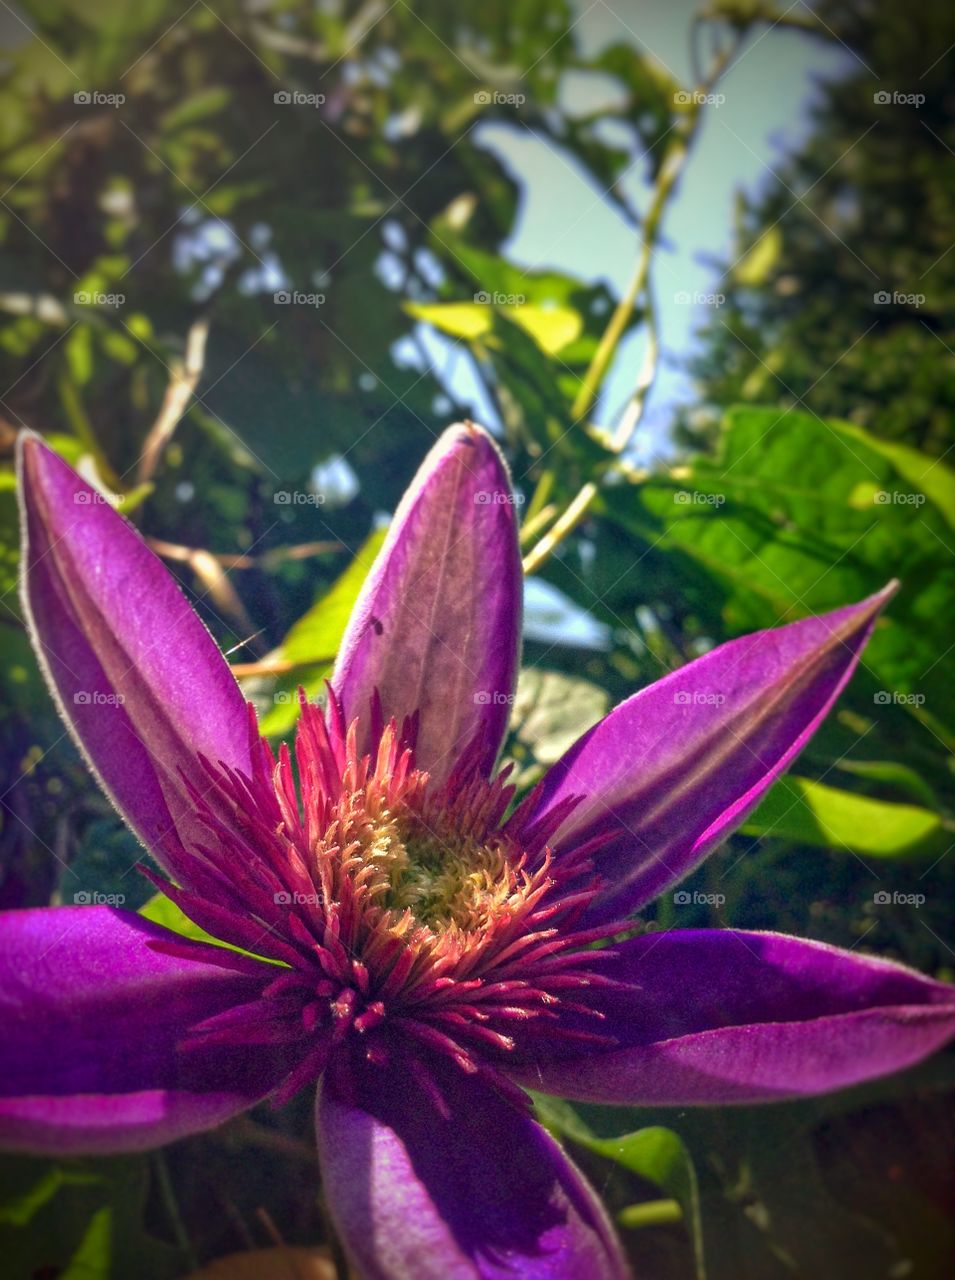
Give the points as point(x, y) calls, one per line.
point(168, 1194)
point(685, 133)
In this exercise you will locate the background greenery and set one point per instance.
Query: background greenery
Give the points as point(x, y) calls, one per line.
point(810, 469)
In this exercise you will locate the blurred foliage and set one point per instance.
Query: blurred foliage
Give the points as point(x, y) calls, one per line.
point(840, 292)
point(275, 151)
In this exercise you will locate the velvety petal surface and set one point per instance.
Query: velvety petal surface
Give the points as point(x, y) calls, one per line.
point(437, 627)
point(137, 677)
point(713, 1016)
point(482, 1192)
point(674, 769)
point(91, 1014)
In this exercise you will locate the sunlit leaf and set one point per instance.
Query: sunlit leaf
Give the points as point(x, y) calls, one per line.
point(552, 328)
point(826, 817)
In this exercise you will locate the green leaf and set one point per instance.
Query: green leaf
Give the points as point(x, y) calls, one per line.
point(655, 1153)
point(893, 774)
point(93, 1257)
point(826, 817)
point(19, 1208)
point(760, 259)
point(551, 711)
point(162, 910)
point(196, 107)
point(318, 633)
point(78, 348)
point(779, 521)
point(312, 643)
point(81, 1219)
point(552, 328)
point(929, 475)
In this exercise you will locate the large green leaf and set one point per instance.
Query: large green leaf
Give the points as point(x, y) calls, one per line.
point(826, 817)
point(655, 1153)
point(796, 516)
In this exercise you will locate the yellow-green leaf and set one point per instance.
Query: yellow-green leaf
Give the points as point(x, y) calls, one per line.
point(826, 817)
point(552, 328)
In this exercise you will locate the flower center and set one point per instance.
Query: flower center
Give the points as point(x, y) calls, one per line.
point(396, 909)
point(444, 879)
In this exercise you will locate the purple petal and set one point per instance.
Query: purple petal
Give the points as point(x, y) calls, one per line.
point(714, 1016)
point(137, 677)
point(91, 1014)
point(481, 1192)
point(673, 770)
point(437, 627)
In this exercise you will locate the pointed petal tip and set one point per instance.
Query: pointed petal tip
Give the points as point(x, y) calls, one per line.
point(762, 1017)
point(877, 601)
point(436, 628)
point(29, 457)
point(461, 436)
point(33, 454)
point(708, 738)
point(126, 658)
point(47, 486)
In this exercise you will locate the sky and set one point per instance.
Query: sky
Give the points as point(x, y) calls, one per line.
point(564, 223)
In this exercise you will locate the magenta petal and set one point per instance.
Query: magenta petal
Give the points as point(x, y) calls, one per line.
point(715, 1016)
point(137, 677)
point(673, 770)
point(483, 1192)
point(91, 1019)
point(437, 627)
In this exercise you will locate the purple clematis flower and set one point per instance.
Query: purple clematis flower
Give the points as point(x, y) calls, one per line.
point(424, 956)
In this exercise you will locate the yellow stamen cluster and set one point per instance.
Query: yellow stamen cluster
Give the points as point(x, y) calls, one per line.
point(443, 880)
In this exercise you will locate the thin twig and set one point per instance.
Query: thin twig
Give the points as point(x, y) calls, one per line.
point(267, 560)
point(632, 415)
point(182, 384)
point(638, 288)
point(268, 1222)
point(565, 525)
